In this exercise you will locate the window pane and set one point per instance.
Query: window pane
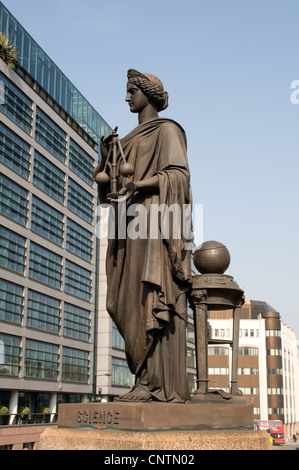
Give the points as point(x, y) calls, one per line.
point(75, 365)
point(10, 354)
point(120, 372)
point(80, 201)
point(16, 105)
point(81, 163)
point(217, 351)
point(43, 312)
point(48, 177)
point(44, 265)
point(117, 340)
point(12, 250)
point(41, 360)
point(76, 322)
point(77, 280)
point(50, 135)
point(46, 221)
point(248, 351)
point(13, 200)
point(14, 151)
point(79, 240)
point(11, 301)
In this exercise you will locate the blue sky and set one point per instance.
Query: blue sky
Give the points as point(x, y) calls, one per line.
point(228, 66)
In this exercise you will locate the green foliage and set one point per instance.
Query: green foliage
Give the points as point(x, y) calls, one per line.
point(43, 410)
point(23, 410)
point(3, 410)
point(8, 52)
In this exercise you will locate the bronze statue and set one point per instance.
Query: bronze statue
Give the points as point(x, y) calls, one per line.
point(148, 277)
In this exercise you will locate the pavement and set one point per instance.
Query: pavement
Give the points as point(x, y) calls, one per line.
point(289, 445)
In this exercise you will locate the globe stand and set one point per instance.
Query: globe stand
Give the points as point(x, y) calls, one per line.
point(213, 290)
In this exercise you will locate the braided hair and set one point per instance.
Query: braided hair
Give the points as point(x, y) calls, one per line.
point(151, 86)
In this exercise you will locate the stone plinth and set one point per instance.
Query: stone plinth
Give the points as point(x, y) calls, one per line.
point(155, 426)
point(156, 416)
point(79, 439)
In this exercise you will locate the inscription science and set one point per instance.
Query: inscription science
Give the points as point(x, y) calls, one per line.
point(98, 417)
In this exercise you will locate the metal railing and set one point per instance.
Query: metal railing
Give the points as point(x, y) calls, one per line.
point(20, 419)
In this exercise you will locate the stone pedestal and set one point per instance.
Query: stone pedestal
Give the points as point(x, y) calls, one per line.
point(156, 416)
point(154, 426)
point(167, 441)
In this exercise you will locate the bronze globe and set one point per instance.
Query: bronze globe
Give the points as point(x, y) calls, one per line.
point(126, 169)
point(211, 257)
point(102, 178)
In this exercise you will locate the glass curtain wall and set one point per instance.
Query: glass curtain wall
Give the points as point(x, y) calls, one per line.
point(39, 65)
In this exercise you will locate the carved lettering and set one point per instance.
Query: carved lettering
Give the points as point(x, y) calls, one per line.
point(79, 416)
point(109, 417)
point(116, 417)
point(102, 418)
point(85, 417)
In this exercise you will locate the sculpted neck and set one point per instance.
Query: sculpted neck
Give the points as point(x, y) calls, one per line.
point(147, 114)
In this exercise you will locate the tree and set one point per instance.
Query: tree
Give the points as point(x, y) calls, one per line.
point(8, 52)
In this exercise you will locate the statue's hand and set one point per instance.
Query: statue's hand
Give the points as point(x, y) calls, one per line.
point(127, 190)
point(105, 143)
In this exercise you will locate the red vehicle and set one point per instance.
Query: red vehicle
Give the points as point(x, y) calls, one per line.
point(274, 428)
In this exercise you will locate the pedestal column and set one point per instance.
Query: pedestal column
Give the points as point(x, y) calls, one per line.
point(199, 300)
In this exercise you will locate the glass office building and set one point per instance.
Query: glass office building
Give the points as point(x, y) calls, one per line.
point(49, 136)
point(50, 78)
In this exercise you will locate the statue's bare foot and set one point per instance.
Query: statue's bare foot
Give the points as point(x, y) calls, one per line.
point(136, 394)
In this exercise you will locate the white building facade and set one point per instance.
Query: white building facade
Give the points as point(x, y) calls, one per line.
point(267, 373)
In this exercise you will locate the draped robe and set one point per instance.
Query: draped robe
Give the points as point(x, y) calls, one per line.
point(148, 277)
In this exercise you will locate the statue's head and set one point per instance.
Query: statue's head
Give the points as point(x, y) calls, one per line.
point(151, 86)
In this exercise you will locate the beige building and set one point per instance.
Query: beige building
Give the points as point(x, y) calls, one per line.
point(267, 366)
